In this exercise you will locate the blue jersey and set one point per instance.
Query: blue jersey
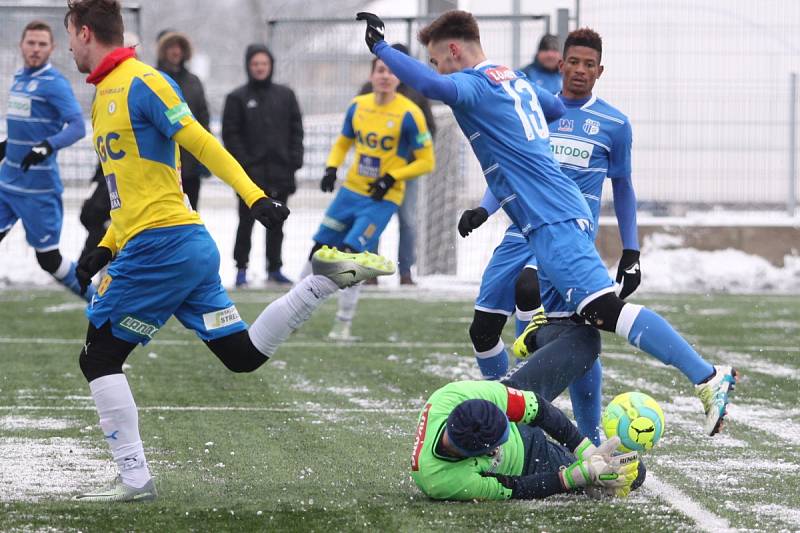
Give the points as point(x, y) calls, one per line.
point(592, 141)
point(40, 104)
point(500, 112)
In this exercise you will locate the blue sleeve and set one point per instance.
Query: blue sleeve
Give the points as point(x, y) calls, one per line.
point(619, 160)
point(552, 106)
point(489, 202)
point(410, 133)
point(347, 127)
point(69, 112)
point(158, 102)
point(625, 209)
point(417, 75)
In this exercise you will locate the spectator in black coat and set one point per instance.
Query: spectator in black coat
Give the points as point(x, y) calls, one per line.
point(174, 50)
point(263, 128)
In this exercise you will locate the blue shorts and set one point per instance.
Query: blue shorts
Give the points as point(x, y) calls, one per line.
point(498, 283)
point(354, 220)
point(571, 273)
point(164, 272)
point(41, 216)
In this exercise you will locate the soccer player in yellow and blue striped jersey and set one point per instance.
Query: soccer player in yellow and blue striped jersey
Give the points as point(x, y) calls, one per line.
point(392, 145)
point(164, 261)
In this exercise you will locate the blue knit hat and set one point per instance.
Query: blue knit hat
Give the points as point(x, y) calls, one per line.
point(476, 427)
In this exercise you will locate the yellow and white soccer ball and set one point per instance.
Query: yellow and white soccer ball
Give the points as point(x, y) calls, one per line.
point(636, 419)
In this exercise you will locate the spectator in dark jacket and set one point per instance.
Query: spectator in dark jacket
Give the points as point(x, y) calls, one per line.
point(544, 69)
point(263, 128)
point(174, 50)
point(407, 214)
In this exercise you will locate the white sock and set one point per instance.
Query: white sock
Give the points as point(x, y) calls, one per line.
point(119, 421)
point(289, 312)
point(525, 316)
point(63, 269)
point(348, 301)
point(306, 270)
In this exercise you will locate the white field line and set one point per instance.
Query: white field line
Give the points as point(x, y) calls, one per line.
point(221, 408)
point(703, 518)
point(297, 344)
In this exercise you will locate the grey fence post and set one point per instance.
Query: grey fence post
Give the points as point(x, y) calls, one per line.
point(791, 201)
point(515, 35)
point(562, 26)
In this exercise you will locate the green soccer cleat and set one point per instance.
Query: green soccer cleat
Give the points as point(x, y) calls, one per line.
point(520, 346)
point(345, 269)
point(714, 395)
point(117, 491)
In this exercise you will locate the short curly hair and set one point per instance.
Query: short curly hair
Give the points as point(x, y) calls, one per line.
point(453, 24)
point(585, 37)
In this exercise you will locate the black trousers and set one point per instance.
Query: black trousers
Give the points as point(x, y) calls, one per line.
point(191, 187)
point(95, 215)
point(244, 233)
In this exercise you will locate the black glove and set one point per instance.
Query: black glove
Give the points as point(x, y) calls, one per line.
point(328, 180)
point(629, 273)
point(91, 265)
point(380, 187)
point(3, 149)
point(38, 153)
point(375, 28)
point(471, 219)
point(509, 482)
point(269, 212)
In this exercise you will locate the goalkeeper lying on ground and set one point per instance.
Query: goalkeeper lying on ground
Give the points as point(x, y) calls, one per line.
point(482, 440)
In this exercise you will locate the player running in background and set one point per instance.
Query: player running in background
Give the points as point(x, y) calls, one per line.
point(500, 113)
point(392, 145)
point(163, 261)
point(43, 117)
point(592, 142)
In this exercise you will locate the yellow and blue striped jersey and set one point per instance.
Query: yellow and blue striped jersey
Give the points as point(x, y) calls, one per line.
point(392, 139)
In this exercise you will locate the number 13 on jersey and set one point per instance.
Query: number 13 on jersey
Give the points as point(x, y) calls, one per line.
point(533, 121)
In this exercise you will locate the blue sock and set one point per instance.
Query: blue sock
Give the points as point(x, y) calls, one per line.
point(648, 331)
point(521, 325)
point(586, 393)
point(493, 363)
point(70, 281)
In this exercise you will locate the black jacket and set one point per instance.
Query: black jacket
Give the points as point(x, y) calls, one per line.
point(263, 128)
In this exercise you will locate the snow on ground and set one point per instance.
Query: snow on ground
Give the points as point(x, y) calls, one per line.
point(666, 265)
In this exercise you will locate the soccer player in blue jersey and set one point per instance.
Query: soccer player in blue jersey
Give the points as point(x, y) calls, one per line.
point(592, 142)
point(43, 117)
point(501, 115)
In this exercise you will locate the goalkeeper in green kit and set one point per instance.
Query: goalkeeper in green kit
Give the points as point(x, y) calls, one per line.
point(484, 440)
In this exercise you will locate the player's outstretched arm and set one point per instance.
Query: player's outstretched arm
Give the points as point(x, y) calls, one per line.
point(410, 71)
point(208, 150)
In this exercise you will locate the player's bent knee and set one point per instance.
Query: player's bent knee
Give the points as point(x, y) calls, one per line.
point(485, 330)
point(103, 354)
point(603, 312)
point(526, 290)
point(237, 352)
point(49, 261)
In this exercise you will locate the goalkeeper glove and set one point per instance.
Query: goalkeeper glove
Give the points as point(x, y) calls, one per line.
point(3, 149)
point(375, 28)
point(472, 219)
point(328, 180)
point(91, 265)
point(629, 273)
point(269, 212)
point(38, 153)
point(380, 187)
point(597, 467)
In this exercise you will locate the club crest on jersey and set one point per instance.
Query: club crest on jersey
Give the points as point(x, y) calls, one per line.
point(566, 124)
point(500, 74)
point(32, 85)
point(591, 127)
point(112, 106)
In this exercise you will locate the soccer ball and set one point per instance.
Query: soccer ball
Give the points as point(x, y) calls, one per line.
point(636, 419)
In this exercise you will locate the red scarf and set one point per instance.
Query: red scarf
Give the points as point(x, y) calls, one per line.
point(109, 63)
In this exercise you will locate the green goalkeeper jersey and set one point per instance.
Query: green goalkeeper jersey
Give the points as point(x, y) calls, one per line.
point(446, 478)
